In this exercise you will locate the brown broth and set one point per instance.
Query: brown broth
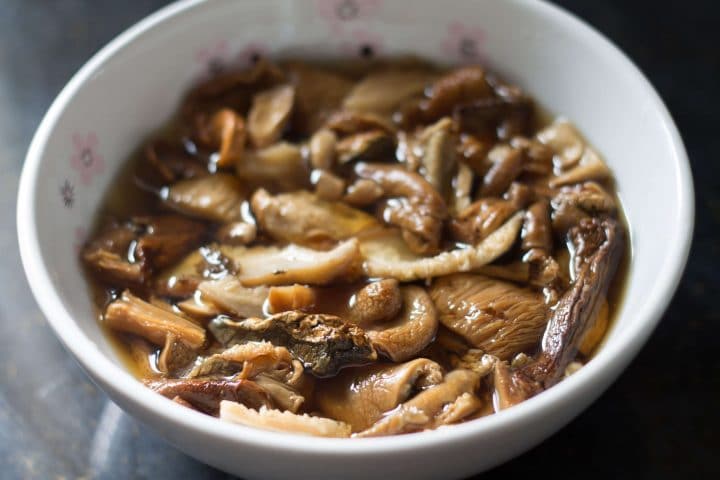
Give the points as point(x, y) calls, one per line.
point(126, 199)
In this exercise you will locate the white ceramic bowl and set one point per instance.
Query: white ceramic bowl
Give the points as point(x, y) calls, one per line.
point(133, 86)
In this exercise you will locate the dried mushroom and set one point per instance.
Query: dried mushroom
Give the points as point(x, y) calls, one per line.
point(384, 92)
point(216, 197)
point(269, 419)
point(323, 343)
point(131, 314)
point(412, 330)
point(277, 167)
point(365, 147)
point(497, 317)
point(269, 115)
point(386, 255)
point(413, 205)
point(303, 218)
point(356, 249)
point(226, 132)
point(293, 264)
point(361, 396)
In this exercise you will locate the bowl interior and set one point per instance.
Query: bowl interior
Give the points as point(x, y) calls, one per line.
point(135, 84)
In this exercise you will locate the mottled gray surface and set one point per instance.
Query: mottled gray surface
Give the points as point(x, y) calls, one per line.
point(659, 420)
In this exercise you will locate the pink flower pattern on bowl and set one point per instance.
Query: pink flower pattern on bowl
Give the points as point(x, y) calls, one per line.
point(213, 59)
point(86, 159)
point(363, 44)
point(250, 55)
point(464, 43)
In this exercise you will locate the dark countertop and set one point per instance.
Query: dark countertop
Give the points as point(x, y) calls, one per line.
point(659, 420)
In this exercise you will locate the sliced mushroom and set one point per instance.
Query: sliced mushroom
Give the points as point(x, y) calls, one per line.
point(248, 360)
point(537, 230)
point(107, 256)
point(497, 116)
point(439, 158)
point(323, 343)
point(279, 167)
point(166, 239)
point(562, 137)
point(588, 196)
point(519, 194)
point(181, 279)
point(590, 167)
point(538, 156)
point(459, 87)
point(373, 145)
point(134, 315)
point(518, 271)
point(361, 396)
point(328, 186)
point(294, 264)
point(349, 123)
point(428, 409)
point(206, 395)
point(462, 184)
point(175, 355)
point(282, 395)
point(269, 419)
point(386, 255)
point(574, 203)
point(412, 330)
point(166, 163)
point(269, 114)
point(319, 93)
point(304, 218)
point(232, 88)
point(124, 254)
point(498, 317)
point(477, 361)
point(237, 233)
point(507, 163)
point(474, 153)
point(376, 302)
point(232, 297)
point(598, 244)
point(292, 297)
point(506, 392)
point(362, 193)
point(384, 92)
point(414, 205)
point(322, 149)
point(216, 197)
point(480, 219)
point(198, 308)
point(225, 131)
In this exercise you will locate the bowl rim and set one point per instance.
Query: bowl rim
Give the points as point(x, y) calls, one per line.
point(607, 364)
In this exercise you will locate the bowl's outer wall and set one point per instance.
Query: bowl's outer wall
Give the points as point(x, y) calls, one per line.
point(134, 86)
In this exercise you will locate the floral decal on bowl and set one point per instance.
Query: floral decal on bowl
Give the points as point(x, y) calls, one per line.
point(339, 12)
point(86, 159)
point(218, 58)
point(67, 194)
point(362, 44)
point(251, 54)
point(213, 59)
point(463, 42)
